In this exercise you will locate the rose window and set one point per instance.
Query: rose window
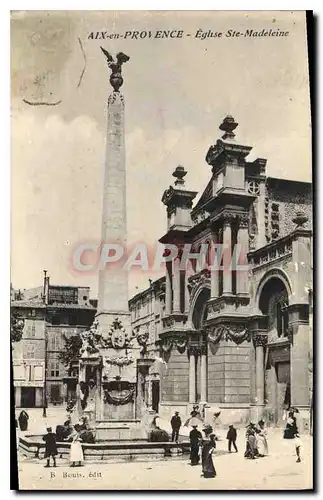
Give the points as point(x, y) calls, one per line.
point(253, 188)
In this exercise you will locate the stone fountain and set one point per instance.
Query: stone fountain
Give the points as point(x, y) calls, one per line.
point(111, 364)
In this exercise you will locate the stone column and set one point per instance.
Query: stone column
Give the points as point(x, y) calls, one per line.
point(273, 385)
point(302, 273)
point(98, 412)
point(227, 255)
point(260, 340)
point(168, 293)
point(187, 293)
point(300, 374)
point(215, 264)
point(149, 392)
point(192, 374)
point(78, 400)
point(241, 256)
point(203, 374)
point(176, 286)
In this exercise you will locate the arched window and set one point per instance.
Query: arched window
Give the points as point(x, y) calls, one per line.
point(273, 302)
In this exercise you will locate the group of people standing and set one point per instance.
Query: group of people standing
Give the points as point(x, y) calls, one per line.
point(256, 440)
point(204, 446)
point(207, 445)
point(76, 451)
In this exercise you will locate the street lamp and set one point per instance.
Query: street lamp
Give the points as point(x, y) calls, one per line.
point(45, 357)
point(45, 377)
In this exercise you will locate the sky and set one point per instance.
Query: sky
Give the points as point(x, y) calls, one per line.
point(177, 92)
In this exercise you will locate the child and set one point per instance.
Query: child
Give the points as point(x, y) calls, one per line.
point(291, 432)
point(50, 446)
point(297, 442)
point(232, 437)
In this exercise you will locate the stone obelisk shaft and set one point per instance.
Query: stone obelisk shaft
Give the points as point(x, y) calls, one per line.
point(113, 279)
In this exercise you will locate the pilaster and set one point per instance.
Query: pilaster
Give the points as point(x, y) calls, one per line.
point(241, 255)
point(215, 264)
point(260, 341)
point(227, 256)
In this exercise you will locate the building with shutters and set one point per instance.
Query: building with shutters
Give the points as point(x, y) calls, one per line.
point(51, 313)
point(28, 355)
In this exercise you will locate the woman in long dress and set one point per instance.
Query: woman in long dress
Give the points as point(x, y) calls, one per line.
point(23, 420)
point(76, 453)
point(208, 449)
point(251, 441)
point(195, 438)
point(262, 443)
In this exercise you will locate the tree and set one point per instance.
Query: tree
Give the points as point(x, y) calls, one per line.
point(71, 351)
point(16, 326)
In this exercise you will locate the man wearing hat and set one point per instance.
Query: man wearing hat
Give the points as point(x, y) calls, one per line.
point(232, 437)
point(176, 424)
point(50, 446)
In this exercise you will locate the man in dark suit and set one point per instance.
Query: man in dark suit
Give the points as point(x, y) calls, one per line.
point(176, 424)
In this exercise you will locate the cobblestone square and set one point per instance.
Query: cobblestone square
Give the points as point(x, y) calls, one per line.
point(278, 471)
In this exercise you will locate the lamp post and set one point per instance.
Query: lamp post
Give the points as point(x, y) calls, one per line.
point(45, 357)
point(45, 378)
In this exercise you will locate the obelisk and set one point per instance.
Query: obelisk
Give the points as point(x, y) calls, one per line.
point(118, 354)
point(113, 279)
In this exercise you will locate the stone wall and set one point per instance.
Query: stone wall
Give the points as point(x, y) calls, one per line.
point(229, 373)
point(174, 383)
point(237, 373)
point(291, 197)
point(216, 374)
point(34, 346)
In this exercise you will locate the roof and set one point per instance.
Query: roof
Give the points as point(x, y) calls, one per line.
point(76, 287)
point(40, 305)
point(59, 305)
point(205, 196)
point(157, 282)
point(28, 303)
point(276, 182)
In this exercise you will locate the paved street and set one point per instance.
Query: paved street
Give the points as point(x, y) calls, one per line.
point(277, 471)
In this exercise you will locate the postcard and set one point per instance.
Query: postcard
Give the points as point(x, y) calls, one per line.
point(161, 279)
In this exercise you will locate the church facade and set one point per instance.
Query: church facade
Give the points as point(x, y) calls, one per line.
point(235, 322)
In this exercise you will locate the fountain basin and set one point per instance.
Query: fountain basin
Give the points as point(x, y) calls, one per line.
point(121, 430)
point(33, 446)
